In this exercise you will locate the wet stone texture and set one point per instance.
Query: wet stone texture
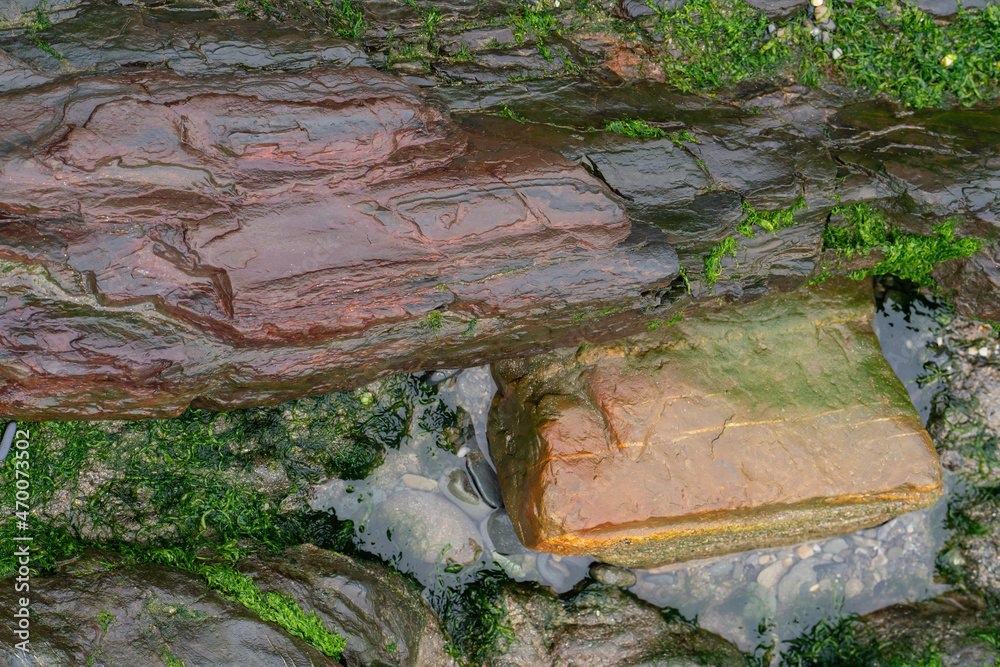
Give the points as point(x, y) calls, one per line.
point(223, 242)
point(380, 613)
point(601, 625)
point(920, 168)
point(756, 426)
point(94, 612)
point(142, 615)
point(965, 423)
point(948, 624)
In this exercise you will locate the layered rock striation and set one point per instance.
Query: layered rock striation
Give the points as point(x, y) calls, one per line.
point(231, 241)
point(768, 424)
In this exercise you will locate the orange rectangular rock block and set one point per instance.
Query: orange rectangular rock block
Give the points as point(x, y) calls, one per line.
point(743, 427)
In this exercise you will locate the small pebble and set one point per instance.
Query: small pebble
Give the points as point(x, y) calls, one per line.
point(419, 482)
point(611, 575)
point(816, 3)
point(769, 576)
point(826, 38)
point(835, 546)
point(837, 53)
point(804, 551)
point(461, 488)
point(854, 588)
point(821, 12)
point(462, 451)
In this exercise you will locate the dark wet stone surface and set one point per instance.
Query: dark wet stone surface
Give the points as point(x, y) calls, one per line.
point(381, 614)
point(601, 626)
point(17, 10)
point(104, 37)
point(778, 9)
point(922, 168)
point(634, 9)
point(502, 535)
point(137, 615)
point(947, 624)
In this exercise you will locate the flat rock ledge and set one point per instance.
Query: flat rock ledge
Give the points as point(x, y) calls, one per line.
point(763, 425)
point(232, 241)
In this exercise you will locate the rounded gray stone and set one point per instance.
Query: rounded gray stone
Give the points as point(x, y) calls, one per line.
point(612, 575)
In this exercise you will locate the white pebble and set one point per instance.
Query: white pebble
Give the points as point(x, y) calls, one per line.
point(984, 352)
point(419, 482)
point(816, 3)
point(462, 452)
point(837, 53)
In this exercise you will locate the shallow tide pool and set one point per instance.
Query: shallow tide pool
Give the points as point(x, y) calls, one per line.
point(433, 510)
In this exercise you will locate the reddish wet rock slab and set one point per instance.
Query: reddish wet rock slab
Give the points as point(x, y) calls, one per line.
point(753, 426)
point(240, 241)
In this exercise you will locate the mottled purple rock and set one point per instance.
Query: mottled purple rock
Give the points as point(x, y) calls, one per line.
point(227, 242)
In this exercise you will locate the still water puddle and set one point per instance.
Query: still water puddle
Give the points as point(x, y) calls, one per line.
point(435, 512)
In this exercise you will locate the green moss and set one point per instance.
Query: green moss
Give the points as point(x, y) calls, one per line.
point(189, 492)
point(507, 112)
point(170, 661)
point(679, 138)
point(713, 260)
point(653, 325)
point(347, 19)
point(881, 47)
point(844, 643)
point(960, 517)
point(531, 22)
point(275, 607)
point(635, 128)
point(910, 256)
point(475, 617)
point(463, 55)
point(105, 618)
point(769, 221)
point(188, 485)
point(434, 321)
point(38, 23)
point(343, 17)
point(902, 51)
point(682, 272)
point(721, 43)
